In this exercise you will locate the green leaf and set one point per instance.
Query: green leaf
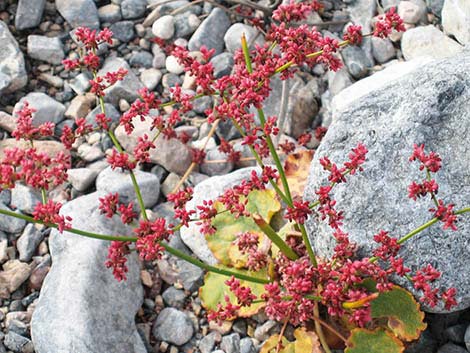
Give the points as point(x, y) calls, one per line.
point(404, 316)
point(214, 290)
point(305, 342)
point(228, 227)
point(377, 341)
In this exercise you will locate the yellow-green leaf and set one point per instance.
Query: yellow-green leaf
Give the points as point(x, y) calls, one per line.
point(283, 232)
point(404, 316)
point(228, 227)
point(305, 341)
point(377, 341)
point(214, 290)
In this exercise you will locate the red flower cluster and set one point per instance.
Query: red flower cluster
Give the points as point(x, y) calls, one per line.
point(49, 214)
point(388, 22)
point(110, 205)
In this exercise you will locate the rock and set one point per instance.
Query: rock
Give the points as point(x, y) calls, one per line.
point(372, 83)
point(25, 198)
point(150, 78)
point(305, 108)
point(47, 108)
point(456, 19)
point(173, 66)
point(451, 348)
point(211, 32)
point(79, 13)
point(174, 297)
point(428, 41)
point(111, 113)
point(28, 242)
point(169, 184)
point(123, 30)
point(37, 276)
point(81, 178)
point(382, 49)
point(455, 333)
point(435, 6)
point(14, 274)
point(172, 154)
point(173, 326)
point(18, 343)
point(164, 27)
point(339, 80)
point(208, 189)
point(3, 247)
point(80, 286)
point(467, 337)
point(10, 224)
point(13, 74)
point(141, 59)
point(109, 13)
point(7, 122)
point(54, 81)
point(234, 34)
point(207, 343)
point(81, 83)
point(49, 147)
point(126, 89)
point(112, 181)
point(231, 343)
point(79, 107)
point(387, 4)
point(247, 346)
point(90, 153)
point(223, 64)
point(378, 197)
point(131, 9)
point(185, 24)
point(356, 62)
point(29, 14)
point(265, 330)
point(221, 165)
point(48, 49)
point(410, 12)
point(425, 343)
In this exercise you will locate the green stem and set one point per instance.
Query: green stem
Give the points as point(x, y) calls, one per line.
point(420, 229)
point(308, 245)
point(274, 237)
point(43, 196)
point(138, 194)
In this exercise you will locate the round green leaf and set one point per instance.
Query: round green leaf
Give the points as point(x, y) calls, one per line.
point(377, 341)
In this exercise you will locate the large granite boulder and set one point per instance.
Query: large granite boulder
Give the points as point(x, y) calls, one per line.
point(82, 308)
point(430, 106)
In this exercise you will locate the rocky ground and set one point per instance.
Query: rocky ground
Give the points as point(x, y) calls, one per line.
point(35, 36)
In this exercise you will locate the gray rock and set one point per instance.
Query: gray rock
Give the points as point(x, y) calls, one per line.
point(111, 113)
point(81, 178)
point(29, 14)
point(150, 78)
point(173, 66)
point(171, 80)
point(338, 80)
point(79, 286)
point(223, 64)
point(356, 62)
point(3, 247)
point(185, 24)
point(428, 41)
point(451, 348)
point(109, 13)
point(13, 74)
point(131, 9)
point(47, 108)
point(81, 83)
point(411, 12)
point(79, 13)
point(25, 198)
point(456, 333)
point(174, 297)
point(173, 326)
point(222, 167)
point(172, 154)
point(126, 89)
point(211, 32)
point(392, 120)
point(28, 242)
point(123, 30)
point(382, 49)
point(467, 338)
point(48, 49)
point(304, 110)
point(247, 346)
point(10, 224)
point(141, 59)
point(361, 13)
point(265, 330)
point(111, 181)
point(231, 343)
point(234, 34)
point(387, 4)
point(209, 189)
point(164, 27)
point(456, 20)
point(435, 6)
point(18, 343)
point(207, 343)
point(200, 105)
point(426, 343)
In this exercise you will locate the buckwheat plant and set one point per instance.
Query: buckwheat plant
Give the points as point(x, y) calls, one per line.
point(294, 285)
